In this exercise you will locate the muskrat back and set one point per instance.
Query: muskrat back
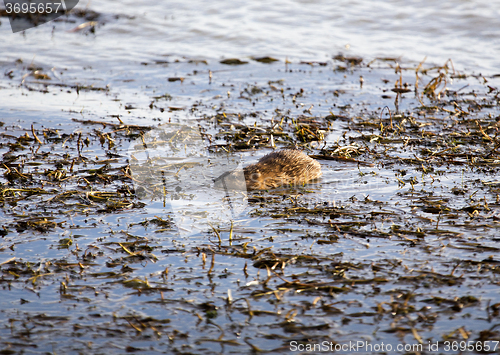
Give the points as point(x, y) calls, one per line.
point(284, 167)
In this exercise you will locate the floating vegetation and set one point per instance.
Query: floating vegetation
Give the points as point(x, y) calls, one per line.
point(396, 243)
point(266, 60)
point(233, 61)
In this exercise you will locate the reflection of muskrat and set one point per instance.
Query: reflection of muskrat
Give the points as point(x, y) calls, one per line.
point(284, 167)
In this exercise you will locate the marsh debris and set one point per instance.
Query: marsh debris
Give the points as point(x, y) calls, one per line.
point(398, 240)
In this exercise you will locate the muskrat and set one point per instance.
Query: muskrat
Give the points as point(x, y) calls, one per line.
point(284, 167)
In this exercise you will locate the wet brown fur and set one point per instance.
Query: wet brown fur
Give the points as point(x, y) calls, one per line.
point(284, 167)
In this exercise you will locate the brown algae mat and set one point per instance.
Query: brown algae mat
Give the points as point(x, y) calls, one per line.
point(407, 266)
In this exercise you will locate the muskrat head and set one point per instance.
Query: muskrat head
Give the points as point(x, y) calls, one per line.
point(253, 178)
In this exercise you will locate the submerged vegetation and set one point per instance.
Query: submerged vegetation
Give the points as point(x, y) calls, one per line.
point(403, 254)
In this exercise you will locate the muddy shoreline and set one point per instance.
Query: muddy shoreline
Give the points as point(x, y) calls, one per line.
point(396, 243)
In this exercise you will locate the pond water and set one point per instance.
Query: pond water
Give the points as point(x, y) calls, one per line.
point(395, 244)
point(130, 32)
